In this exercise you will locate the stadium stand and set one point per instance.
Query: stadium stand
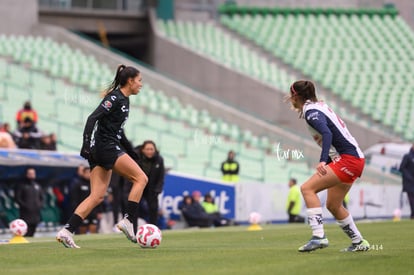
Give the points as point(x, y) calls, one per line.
point(207, 38)
point(63, 83)
point(362, 55)
point(185, 135)
point(211, 40)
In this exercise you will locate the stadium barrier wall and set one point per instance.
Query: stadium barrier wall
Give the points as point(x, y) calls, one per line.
point(237, 201)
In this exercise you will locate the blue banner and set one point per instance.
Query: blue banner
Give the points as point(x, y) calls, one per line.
point(176, 187)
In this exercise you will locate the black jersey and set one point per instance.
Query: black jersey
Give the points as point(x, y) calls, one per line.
point(106, 124)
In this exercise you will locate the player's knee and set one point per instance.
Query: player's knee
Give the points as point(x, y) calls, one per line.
point(305, 190)
point(145, 179)
point(139, 178)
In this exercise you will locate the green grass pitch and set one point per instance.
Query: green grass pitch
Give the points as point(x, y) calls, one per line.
point(231, 250)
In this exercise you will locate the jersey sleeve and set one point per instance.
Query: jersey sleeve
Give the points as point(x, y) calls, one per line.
point(317, 120)
point(106, 106)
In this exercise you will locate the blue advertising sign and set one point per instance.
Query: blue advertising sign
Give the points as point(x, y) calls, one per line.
point(177, 186)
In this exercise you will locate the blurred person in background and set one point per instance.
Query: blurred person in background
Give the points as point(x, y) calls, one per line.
point(116, 198)
point(48, 142)
point(26, 112)
point(346, 200)
point(6, 138)
point(294, 202)
point(80, 190)
point(230, 168)
point(27, 136)
point(212, 209)
point(5, 127)
point(30, 198)
point(194, 214)
point(407, 171)
point(152, 163)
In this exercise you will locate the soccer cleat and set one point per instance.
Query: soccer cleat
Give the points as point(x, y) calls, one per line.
point(115, 229)
point(128, 229)
point(314, 243)
point(355, 247)
point(66, 238)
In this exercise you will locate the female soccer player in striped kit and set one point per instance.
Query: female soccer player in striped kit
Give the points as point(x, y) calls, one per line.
point(341, 163)
point(106, 148)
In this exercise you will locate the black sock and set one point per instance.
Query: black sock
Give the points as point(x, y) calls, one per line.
point(132, 213)
point(73, 223)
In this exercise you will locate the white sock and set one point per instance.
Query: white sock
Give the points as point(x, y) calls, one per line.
point(315, 221)
point(350, 229)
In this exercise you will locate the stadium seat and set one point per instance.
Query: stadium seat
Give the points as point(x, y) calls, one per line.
point(184, 134)
point(352, 52)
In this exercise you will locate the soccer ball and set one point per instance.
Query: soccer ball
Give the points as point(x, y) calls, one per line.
point(149, 236)
point(18, 227)
point(255, 218)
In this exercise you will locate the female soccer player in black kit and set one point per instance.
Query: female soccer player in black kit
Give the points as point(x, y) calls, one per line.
point(106, 148)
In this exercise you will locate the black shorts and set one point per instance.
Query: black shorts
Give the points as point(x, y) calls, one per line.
point(105, 155)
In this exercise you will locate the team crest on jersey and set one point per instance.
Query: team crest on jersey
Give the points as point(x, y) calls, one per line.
point(107, 105)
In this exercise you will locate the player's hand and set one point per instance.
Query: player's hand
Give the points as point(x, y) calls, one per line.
point(320, 168)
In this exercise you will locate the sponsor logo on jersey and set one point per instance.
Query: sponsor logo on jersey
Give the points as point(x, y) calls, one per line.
point(124, 109)
point(313, 116)
point(107, 105)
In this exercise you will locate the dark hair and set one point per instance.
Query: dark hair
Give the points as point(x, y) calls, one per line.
point(27, 105)
point(304, 89)
point(208, 196)
point(149, 142)
point(123, 73)
point(293, 180)
point(30, 168)
point(187, 197)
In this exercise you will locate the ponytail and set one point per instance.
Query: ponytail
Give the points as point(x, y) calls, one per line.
point(304, 89)
point(123, 73)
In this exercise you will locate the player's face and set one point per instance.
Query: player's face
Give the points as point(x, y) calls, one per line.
point(136, 84)
point(293, 101)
